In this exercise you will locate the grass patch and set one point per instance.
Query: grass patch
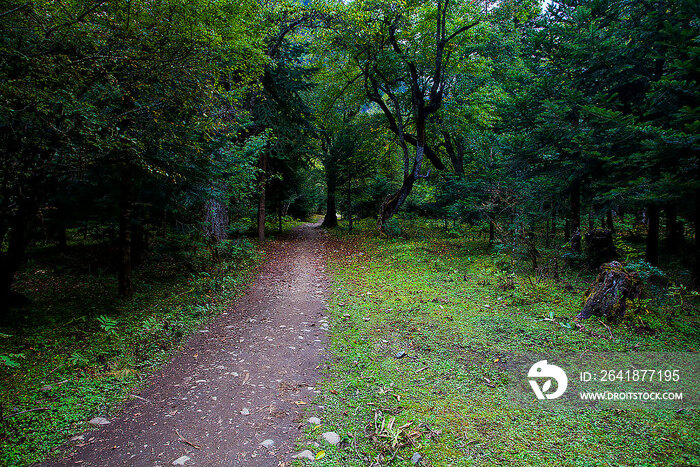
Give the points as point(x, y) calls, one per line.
point(417, 324)
point(76, 352)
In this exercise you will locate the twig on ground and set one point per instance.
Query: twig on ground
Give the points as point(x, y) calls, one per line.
point(184, 440)
point(606, 327)
point(30, 410)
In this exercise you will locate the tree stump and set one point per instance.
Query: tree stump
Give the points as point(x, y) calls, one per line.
point(608, 295)
point(600, 247)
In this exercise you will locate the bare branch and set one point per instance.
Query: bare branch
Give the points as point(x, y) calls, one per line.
point(9, 12)
point(460, 31)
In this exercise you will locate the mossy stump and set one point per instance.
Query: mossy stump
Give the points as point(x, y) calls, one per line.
point(609, 294)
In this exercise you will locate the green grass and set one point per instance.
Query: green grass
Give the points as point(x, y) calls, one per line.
point(77, 352)
point(440, 299)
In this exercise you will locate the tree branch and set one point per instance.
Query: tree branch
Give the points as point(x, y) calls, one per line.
point(9, 12)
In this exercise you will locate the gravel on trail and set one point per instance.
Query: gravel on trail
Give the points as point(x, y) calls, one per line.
point(238, 392)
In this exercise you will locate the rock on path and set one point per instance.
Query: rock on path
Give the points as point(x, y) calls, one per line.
point(243, 382)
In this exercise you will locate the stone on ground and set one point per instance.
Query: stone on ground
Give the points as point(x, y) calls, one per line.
point(181, 460)
point(315, 421)
point(306, 454)
point(331, 437)
point(99, 421)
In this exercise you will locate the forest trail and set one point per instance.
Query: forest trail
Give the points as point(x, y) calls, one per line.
point(246, 378)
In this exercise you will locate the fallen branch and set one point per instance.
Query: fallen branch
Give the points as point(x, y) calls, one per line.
point(30, 410)
point(184, 440)
point(606, 327)
point(139, 397)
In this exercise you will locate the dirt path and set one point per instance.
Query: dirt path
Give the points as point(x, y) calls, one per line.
point(245, 379)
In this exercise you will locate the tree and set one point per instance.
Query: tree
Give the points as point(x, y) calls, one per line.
point(127, 86)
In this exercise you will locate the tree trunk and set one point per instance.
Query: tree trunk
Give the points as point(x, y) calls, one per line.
point(696, 263)
point(492, 228)
point(609, 221)
point(61, 237)
point(125, 286)
point(261, 201)
point(349, 201)
point(652, 252)
point(279, 217)
point(673, 234)
point(393, 202)
point(575, 199)
point(330, 164)
point(456, 154)
point(331, 218)
point(17, 242)
point(216, 221)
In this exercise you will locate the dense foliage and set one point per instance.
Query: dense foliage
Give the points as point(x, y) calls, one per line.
point(137, 131)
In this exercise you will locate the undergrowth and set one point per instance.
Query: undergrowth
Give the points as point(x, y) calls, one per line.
point(419, 324)
point(76, 352)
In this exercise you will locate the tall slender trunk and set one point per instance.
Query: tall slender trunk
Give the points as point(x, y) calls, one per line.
point(575, 200)
point(349, 201)
point(279, 217)
point(492, 228)
point(61, 237)
point(696, 221)
point(262, 181)
point(673, 234)
point(652, 251)
point(125, 285)
point(609, 221)
point(331, 218)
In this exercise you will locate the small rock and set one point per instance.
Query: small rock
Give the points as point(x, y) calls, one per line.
point(181, 460)
point(331, 437)
point(99, 421)
point(78, 438)
point(306, 454)
point(45, 388)
point(415, 460)
point(268, 443)
point(401, 354)
point(315, 421)
point(245, 412)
